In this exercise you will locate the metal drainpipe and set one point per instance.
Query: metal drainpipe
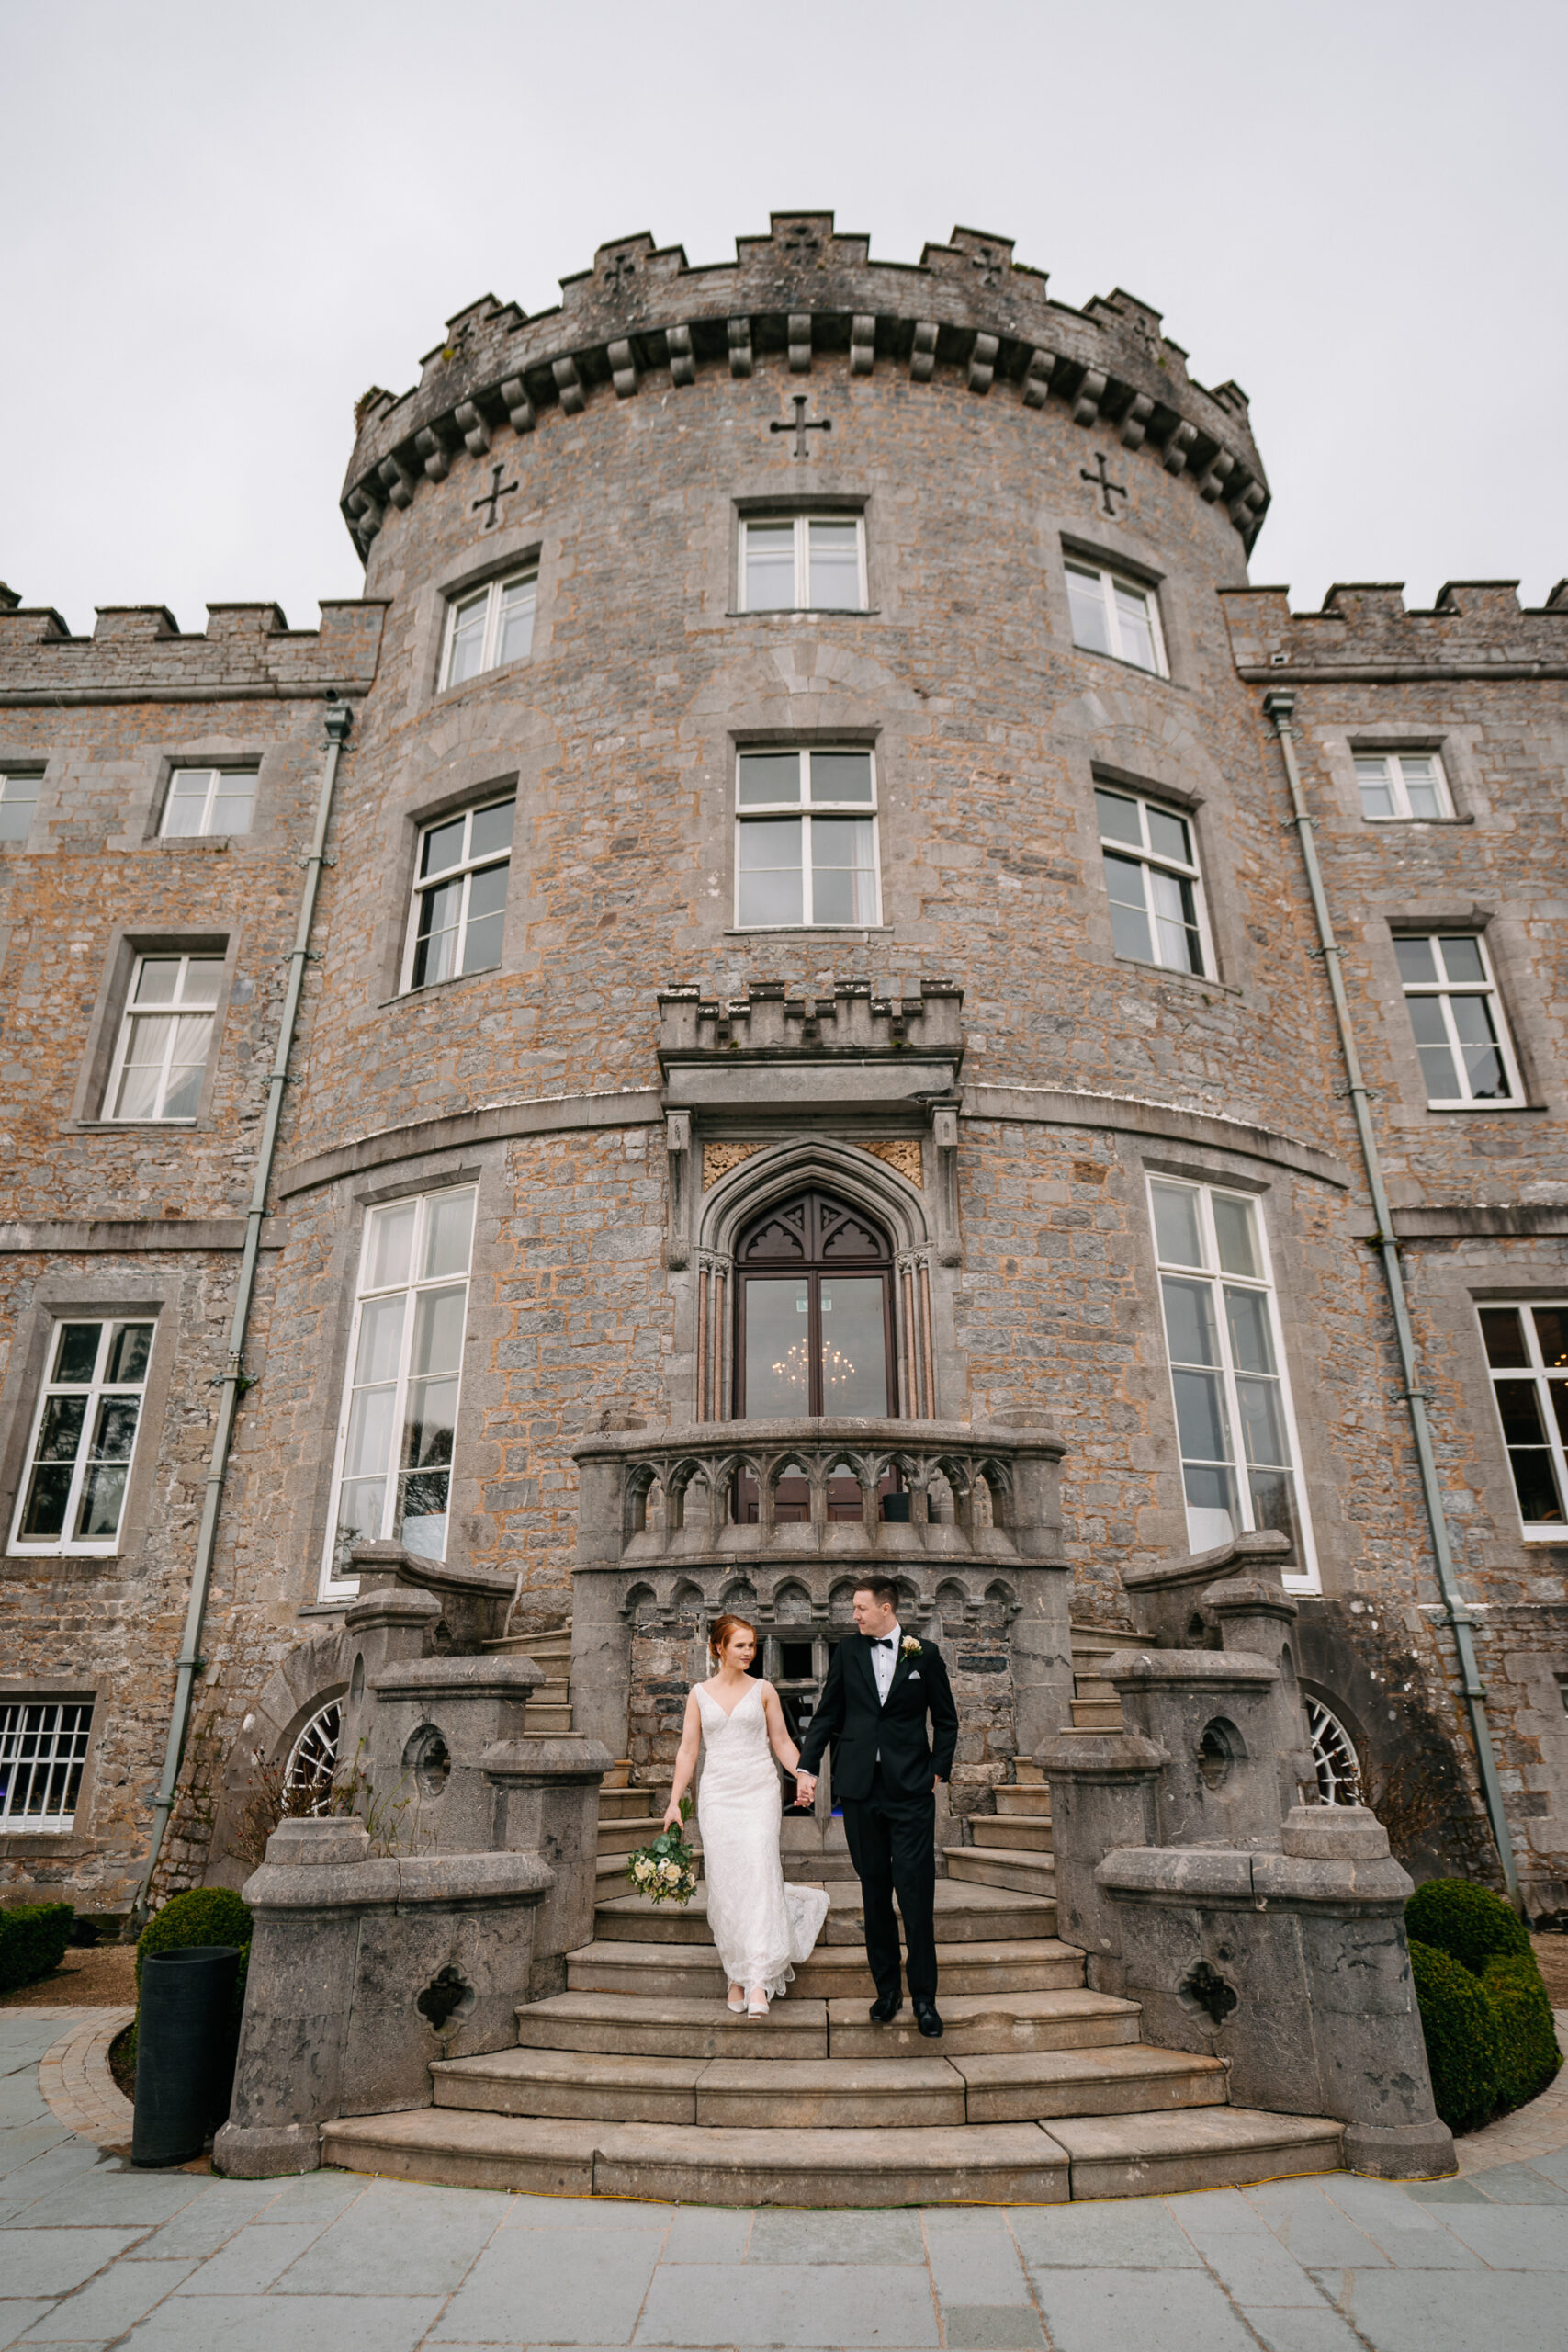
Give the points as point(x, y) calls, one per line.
point(1281, 708)
point(189, 1663)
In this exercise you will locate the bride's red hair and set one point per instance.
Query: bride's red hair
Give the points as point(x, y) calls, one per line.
point(723, 1632)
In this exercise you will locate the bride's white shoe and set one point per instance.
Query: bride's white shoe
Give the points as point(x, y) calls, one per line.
point(735, 2006)
point(757, 2006)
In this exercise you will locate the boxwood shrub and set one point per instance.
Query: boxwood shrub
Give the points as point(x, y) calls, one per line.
point(1470, 1923)
point(33, 1937)
point(1490, 2040)
point(204, 1915)
point(1462, 2040)
point(1528, 2055)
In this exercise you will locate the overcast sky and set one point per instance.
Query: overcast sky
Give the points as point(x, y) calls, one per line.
point(223, 223)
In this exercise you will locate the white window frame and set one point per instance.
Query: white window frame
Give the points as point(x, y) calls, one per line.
point(1533, 1531)
point(464, 869)
point(62, 1741)
point(1146, 856)
point(802, 524)
point(1305, 1576)
point(492, 593)
point(1395, 783)
point(216, 779)
point(93, 1390)
point(1108, 581)
point(1444, 991)
point(20, 774)
point(333, 1586)
point(175, 1008)
point(803, 810)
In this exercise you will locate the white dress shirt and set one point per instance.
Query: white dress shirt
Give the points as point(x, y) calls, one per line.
point(882, 1664)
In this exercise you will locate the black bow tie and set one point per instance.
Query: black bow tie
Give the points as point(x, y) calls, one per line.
point(883, 1642)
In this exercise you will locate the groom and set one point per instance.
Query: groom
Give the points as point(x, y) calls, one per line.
point(881, 1686)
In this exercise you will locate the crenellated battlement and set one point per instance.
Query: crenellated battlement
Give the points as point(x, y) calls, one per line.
point(802, 293)
point(138, 653)
point(1477, 628)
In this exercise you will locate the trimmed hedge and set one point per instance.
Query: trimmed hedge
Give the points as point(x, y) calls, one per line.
point(33, 1937)
point(1491, 2043)
point(1470, 1923)
point(204, 1915)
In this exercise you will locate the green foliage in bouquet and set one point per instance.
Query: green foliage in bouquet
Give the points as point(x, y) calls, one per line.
point(666, 1871)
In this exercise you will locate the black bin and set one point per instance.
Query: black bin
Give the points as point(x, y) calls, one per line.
point(185, 2044)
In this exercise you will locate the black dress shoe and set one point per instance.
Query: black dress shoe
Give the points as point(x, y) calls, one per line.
point(926, 2019)
point(885, 2007)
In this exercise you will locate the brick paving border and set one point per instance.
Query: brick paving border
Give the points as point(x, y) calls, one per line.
point(74, 2075)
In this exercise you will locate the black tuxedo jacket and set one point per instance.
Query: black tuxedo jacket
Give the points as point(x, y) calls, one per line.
point(849, 1715)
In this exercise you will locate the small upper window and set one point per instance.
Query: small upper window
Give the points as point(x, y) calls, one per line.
point(209, 800)
point(164, 1038)
point(1460, 1036)
point(805, 846)
point(1115, 615)
point(83, 1437)
point(459, 896)
point(1527, 1348)
point(815, 561)
point(492, 626)
point(1151, 874)
point(1402, 784)
point(18, 799)
point(43, 1753)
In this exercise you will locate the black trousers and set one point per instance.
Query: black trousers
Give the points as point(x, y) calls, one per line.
point(891, 1842)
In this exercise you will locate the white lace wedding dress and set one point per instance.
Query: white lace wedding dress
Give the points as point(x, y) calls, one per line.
point(760, 1924)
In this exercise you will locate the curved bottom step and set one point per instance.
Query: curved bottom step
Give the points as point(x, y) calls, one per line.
point(1002, 2163)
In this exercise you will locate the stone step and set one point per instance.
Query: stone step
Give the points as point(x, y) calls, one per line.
point(978, 2024)
point(1027, 1775)
point(975, 2163)
point(1156, 2154)
point(546, 1722)
point(833, 1972)
point(1097, 1714)
point(1033, 1802)
point(626, 1804)
point(801, 2094)
point(1129, 2078)
point(962, 1914)
point(1027, 1832)
point(1095, 1686)
point(625, 1836)
point(994, 1866)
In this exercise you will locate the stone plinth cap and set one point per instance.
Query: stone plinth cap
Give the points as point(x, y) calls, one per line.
point(458, 1677)
point(315, 1840)
point(528, 1762)
point(1189, 1670)
point(1102, 1756)
point(391, 1605)
point(473, 1877)
point(1264, 1544)
point(1249, 1596)
point(1223, 1872)
point(1333, 1833)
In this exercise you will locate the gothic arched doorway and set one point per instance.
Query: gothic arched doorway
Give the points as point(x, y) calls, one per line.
point(814, 1312)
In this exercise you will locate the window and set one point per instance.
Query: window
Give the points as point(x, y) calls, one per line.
point(1402, 784)
point(1527, 1348)
point(1151, 874)
point(805, 838)
point(459, 896)
point(816, 562)
point(1226, 1372)
point(79, 1461)
point(400, 1411)
point(492, 626)
point(1113, 615)
point(814, 1299)
point(164, 1038)
point(1460, 1034)
point(208, 800)
point(43, 1752)
point(18, 799)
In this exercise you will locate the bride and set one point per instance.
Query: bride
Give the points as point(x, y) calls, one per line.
point(760, 1924)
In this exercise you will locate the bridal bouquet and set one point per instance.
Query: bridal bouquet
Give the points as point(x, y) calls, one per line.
point(666, 1871)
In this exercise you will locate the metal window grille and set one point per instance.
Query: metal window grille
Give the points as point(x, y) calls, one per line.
point(312, 1760)
point(43, 1752)
point(1334, 1756)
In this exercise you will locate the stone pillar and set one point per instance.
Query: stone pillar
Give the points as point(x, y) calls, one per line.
point(1213, 1712)
point(1103, 1796)
point(1256, 1616)
point(600, 1657)
point(547, 1802)
point(388, 1623)
point(434, 1719)
point(1040, 1639)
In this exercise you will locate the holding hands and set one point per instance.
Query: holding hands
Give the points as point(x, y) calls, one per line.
point(806, 1788)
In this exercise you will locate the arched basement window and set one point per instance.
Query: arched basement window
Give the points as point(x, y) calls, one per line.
point(814, 1312)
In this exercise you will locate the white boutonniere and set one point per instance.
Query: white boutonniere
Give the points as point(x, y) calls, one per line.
point(909, 1646)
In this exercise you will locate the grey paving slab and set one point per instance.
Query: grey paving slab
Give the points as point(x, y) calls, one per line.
point(1555, 2166)
point(1520, 2184)
point(1124, 2234)
point(30, 2144)
point(1459, 2191)
point(285, 2324)
point(21, 2102)
point(108, 2305)
point(1209, 2213)
point(427, 2239)
point(869, 2237)
point(1183, 2311)
point(252, 2259)
point(1319, 2232)
point(544, 2281)
point(990, 2327)
point(51, 2262)
point(16, 2317)
point(209, 2220)
point(1514, 2237)
point(975, 2266)
point(1406, 2310)
point(107, 2196)
point(706, 2233)
point(1260, 2270)
point(326, 2193)
point(1303, 2331)
point(610, 2213)
point(844, 2306)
